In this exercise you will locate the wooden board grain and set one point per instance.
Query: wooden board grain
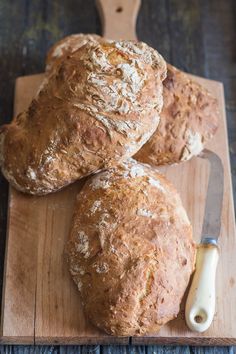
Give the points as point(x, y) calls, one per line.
point(40, 302)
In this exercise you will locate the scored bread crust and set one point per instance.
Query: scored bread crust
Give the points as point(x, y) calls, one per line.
point(130, 249)
point(98, 107)
point(189, 119)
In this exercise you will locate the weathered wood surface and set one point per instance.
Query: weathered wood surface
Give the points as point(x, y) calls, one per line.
point(83, 349)
point(197, 36)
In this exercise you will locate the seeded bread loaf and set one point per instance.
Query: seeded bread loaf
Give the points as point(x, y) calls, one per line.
point(189, 119)
point(130, 251)
point(98, 107)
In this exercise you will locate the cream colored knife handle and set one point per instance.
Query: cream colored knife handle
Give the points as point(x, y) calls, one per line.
point(119, 18)
point(200, 304)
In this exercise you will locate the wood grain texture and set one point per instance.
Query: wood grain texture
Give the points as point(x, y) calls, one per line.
point(19, 349)
point(52, 303)
point(208, 26)
point(119, 18)
point(127, 349)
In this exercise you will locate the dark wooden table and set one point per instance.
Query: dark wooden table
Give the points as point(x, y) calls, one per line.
point(198, 36)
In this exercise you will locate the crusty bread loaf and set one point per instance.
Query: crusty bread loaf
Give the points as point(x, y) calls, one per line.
point(99, 106)
point(130, 251)
point(189, 118)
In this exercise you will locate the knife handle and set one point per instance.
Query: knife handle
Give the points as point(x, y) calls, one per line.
point(119, 18)
point(200, 304)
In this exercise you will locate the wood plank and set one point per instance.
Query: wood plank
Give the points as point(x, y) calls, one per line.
point(212, 350)
point(132, 349)
point(21, 251)
point(186, 36)
point(152, 26)
point(219, 46)
point(72, 349)
point(151, 349)
point(86, 349)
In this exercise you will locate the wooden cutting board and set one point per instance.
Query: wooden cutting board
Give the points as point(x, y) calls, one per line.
point(41, 303)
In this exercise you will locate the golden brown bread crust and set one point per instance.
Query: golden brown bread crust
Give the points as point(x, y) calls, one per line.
point(130, 251)
point(68, 45)
point(99, 106)
point(189, 118)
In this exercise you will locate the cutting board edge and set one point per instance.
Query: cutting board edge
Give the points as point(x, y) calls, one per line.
point(83, 340)
point(5, 266)
point(196, 341)
point(199, 341)
point(207, 79)
point(27, 340)
point(64, 340)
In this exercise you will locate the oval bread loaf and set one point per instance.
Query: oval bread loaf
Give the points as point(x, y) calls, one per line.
point(130, 251)
point(98, 107)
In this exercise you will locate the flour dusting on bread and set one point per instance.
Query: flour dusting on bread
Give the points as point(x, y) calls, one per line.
point(193, 145)
point(82, 244)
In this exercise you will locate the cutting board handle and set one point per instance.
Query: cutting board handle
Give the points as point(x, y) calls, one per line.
point(119, 18)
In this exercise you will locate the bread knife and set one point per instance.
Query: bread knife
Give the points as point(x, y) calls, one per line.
point(200, 304)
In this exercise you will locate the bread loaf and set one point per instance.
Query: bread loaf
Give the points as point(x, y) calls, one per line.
point(98, 107)
point(189, 119)
point(130, 251)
